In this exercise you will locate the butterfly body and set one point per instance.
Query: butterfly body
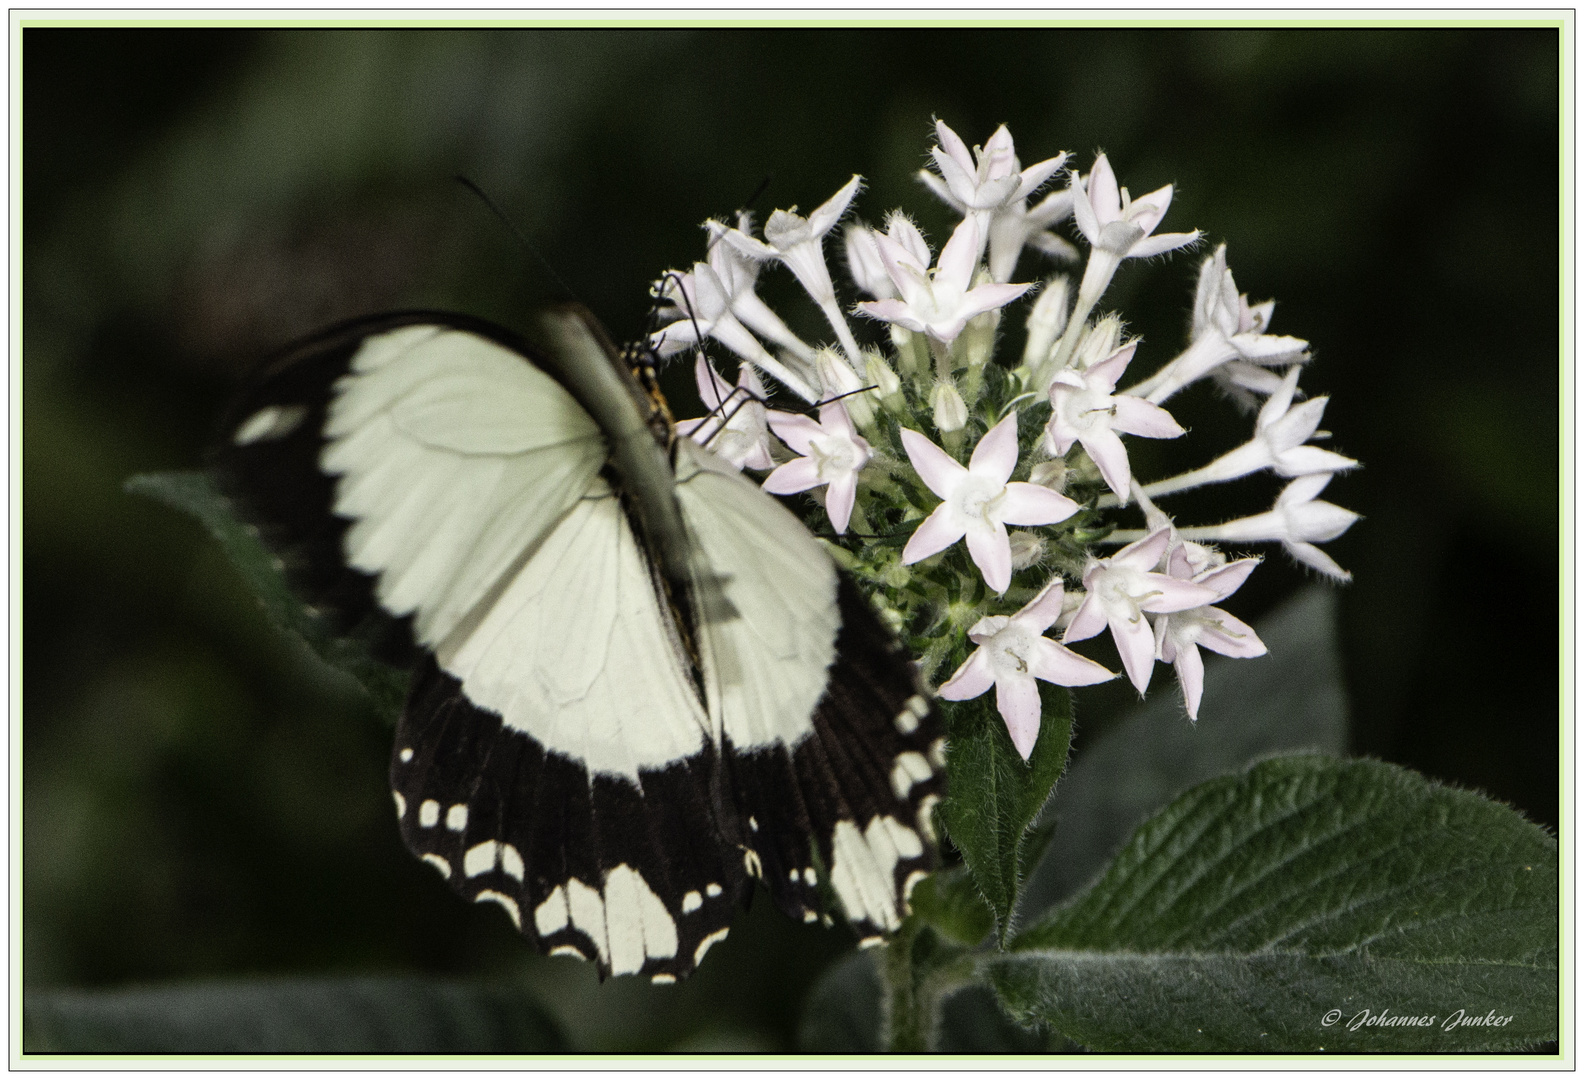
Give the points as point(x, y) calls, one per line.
point(639, 682)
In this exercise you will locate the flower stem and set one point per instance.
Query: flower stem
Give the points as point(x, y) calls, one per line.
point(906, 1012)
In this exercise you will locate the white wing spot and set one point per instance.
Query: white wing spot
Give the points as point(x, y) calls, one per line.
point(510, 860)
point(637, 921)
point(662, 979)
point(918, 705)
point(871, 941)
point(691, 902)
point(428, 813)
point(910, 769)
point(792, 874)
point(551, 916)
point(751, 863)
point(809, 876)
point(439, 864)
point(270, 422)
point(480, 858)
point(456, 817)
point(405, 755)
point(911, 883)
point(704, 946)
point(926, 815)
point(937, 753)
point(712, 890)
point(753, 823)
point(504, 901)
point(809, 916)
point(401, 805)
point(864, 867)
point(568, 950)
point(587, 908)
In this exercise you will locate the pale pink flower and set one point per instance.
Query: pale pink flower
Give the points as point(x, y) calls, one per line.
point(1179, 635)
point(978, 502)
point(831, 453)
point(736, 425)
point(1115, 223)
point(938, 303)
point(1298, 520)
point(1012, 653)
point(1121, 589)
point(1085, 408)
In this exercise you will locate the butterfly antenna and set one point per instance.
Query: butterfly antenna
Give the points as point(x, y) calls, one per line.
point(517, 234)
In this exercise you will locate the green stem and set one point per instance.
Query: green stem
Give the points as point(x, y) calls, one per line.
point(907, 1020)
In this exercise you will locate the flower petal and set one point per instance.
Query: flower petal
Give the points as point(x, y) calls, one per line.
point(955, 267)
point(1228, 579)
point(1312, 556)
point(937, 532)
point(892, 311)
point(1135, 416)
point(991, 552)
point(1060, 665)
point(794, 429)
point(1135, 640)
point(1110, 457)
point(1230, 636)
point(1032, 504)
point(793, 477)
point(1143, 554)
point(1151, 246)
point(1038, 614)
point(1168, 594)
point(1190, 676)
point(822, 220)
point(997, 453)
point(839, 498)
point(972, 679)
point(1018, 700)
point(935, 467)
point(1109, 371)
point(1088, 622)
point(1103, 193)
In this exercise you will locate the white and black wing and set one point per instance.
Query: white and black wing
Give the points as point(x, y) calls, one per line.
point(425, 478)
point(832, 751)
point(604, 760)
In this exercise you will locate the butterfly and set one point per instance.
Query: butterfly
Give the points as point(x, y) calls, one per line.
point(639, 685)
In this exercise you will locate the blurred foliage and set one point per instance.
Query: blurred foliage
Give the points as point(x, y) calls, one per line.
point(204, 798)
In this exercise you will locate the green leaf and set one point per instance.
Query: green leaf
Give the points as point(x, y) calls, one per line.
point(843, 1014)
point(1291, 699)
point(1260, 906)
point(994, 795)
point(292, 1016)
point(195, 493)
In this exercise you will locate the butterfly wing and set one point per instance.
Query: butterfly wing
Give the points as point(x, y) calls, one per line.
point(456, 504)
point(833, 752)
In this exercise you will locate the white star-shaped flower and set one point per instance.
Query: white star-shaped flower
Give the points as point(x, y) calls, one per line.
point(1179, 635)
point(1298, 520)
point(1113, 222)
point(1226, 327)
point(798, 242)
point(938, 303)
point(978, 502)
point(831, 453)
point(703, 302)
point(735, 427)
point(1012, 653)
point(1121, 589)
point(1086, 409)
point(995, 189)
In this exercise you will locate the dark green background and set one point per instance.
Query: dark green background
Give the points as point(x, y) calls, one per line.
point(202, 799)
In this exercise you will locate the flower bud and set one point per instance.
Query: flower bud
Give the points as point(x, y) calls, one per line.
point(1046, 321)
point(839, 380)
point(1099, 342)
point(1051, 474)
point(1027, 548)
point(950, 412)
point(881, 377)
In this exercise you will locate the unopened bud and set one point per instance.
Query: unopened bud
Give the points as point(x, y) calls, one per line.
point(839, 381)
point(881, 377)
point(1051, 474)
point(950, 412)
point(1099, 342)
point(1046, 321)
point(1027, 548)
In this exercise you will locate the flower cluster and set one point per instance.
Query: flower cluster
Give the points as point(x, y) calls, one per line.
point(928, 441)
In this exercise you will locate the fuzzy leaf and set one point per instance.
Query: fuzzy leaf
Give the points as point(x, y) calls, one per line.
point(292, 1016)
point(1292, 699)
point(195, 493)
point(1258, 907)
point(994, 795)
